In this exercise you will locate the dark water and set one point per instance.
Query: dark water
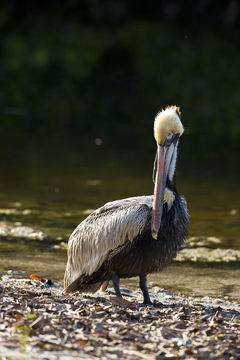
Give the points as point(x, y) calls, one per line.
point(59, 184)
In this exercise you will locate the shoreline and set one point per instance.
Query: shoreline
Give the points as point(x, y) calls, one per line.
point(38, 321)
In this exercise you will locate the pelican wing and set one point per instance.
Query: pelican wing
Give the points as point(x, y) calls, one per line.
point(104, 230)
point(123, 203)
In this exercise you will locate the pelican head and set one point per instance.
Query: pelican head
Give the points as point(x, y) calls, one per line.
point(167, 130)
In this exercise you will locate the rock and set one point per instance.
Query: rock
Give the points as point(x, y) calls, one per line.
point(18, 231)
point(204, 254)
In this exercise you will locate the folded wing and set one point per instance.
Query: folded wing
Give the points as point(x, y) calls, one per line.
point(104, 230)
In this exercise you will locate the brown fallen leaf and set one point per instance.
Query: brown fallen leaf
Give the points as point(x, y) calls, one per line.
point(37, 278)
point(17, 315)
point(116, 300)
point(158, 303)
point(82, 343)
point(53, 347)
point(96, 332)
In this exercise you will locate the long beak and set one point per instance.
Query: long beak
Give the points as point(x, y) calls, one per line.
point(164, 156)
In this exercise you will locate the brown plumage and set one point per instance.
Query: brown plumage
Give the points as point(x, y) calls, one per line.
point(134, 236)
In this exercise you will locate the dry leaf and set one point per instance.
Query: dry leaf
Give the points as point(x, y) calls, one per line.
point(116, 300)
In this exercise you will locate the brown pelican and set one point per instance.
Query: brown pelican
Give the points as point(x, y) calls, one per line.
point(134, 236)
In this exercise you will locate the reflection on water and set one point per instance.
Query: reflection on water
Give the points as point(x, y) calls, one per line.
point(53, 189)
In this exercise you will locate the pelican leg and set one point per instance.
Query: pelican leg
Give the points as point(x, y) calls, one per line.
point(144, 288)
point(116, 280)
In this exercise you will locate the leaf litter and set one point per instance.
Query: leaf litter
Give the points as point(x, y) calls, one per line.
point(38, 321)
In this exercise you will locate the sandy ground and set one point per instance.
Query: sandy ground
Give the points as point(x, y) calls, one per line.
point(38, 321)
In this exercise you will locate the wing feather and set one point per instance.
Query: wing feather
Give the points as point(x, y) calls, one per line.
point(104, 230)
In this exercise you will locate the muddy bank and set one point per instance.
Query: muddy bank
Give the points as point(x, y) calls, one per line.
point(38, 321)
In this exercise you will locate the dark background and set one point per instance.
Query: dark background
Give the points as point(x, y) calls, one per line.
point(73, 71)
